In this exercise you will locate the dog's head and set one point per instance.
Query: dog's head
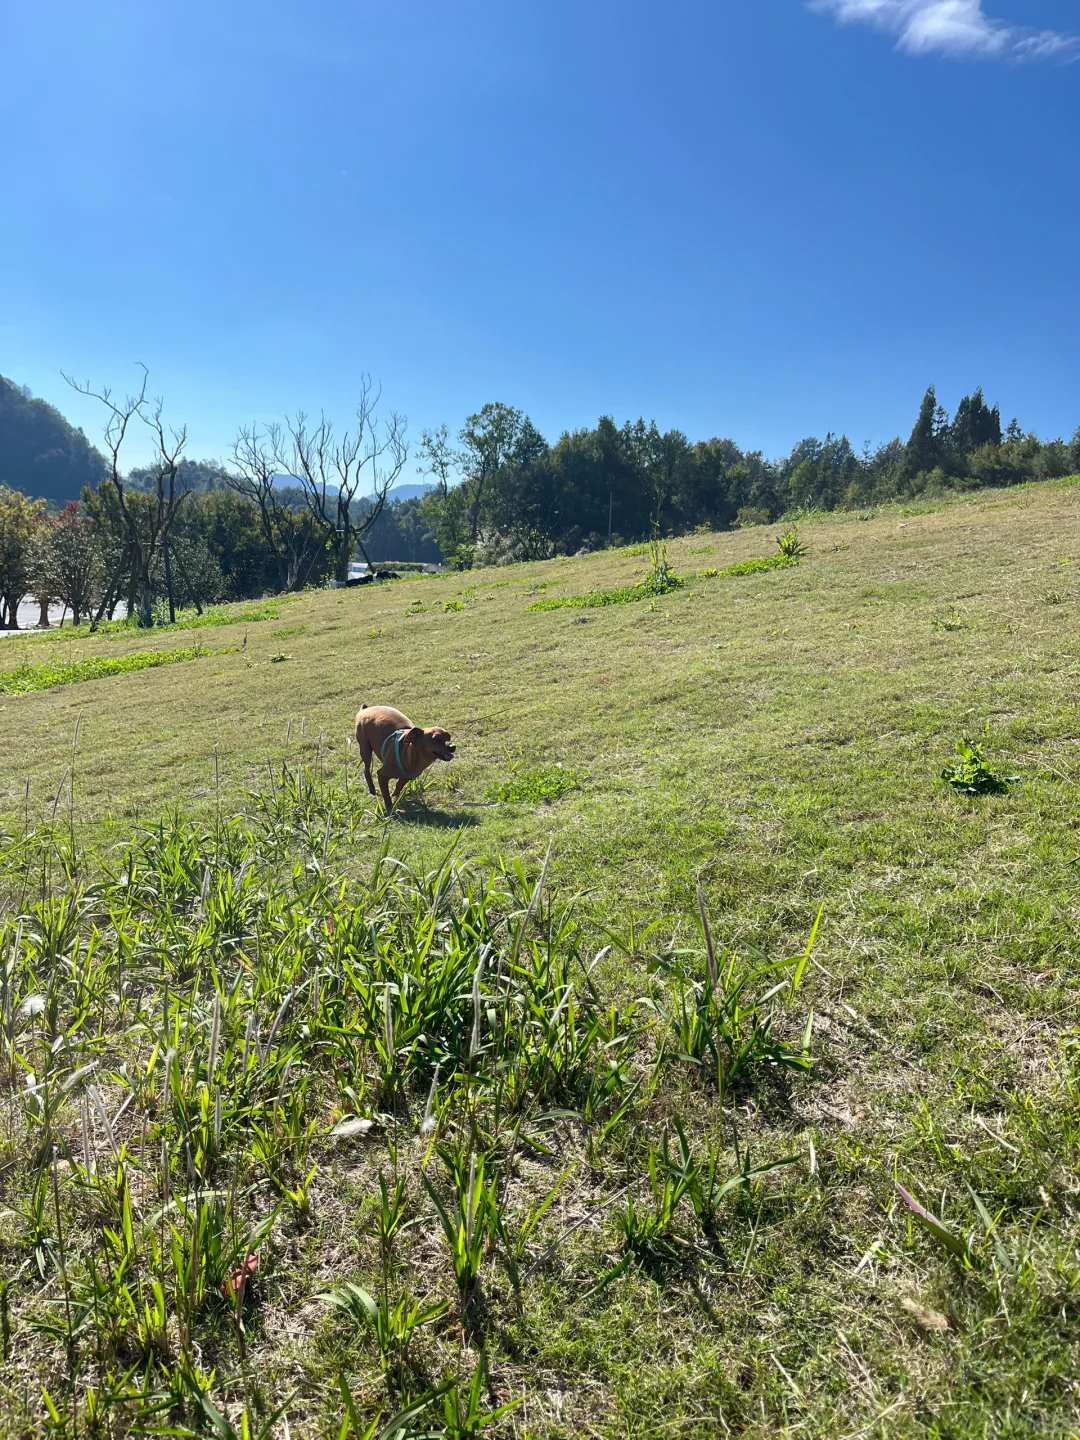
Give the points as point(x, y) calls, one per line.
point(435, 742)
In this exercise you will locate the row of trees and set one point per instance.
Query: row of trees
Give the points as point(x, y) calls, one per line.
point(502, 492)
point(293, 503)
point(49, 557)
point(177, 532)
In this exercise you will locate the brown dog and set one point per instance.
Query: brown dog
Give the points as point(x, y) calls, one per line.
point(404, 750)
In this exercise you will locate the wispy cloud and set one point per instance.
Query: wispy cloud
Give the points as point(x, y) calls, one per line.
point(952, 27)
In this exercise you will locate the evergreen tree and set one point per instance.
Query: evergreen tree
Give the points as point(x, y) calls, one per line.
point(974, 424)
point(923, 447)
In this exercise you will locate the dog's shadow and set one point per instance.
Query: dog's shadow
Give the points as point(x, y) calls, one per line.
point(416, 812)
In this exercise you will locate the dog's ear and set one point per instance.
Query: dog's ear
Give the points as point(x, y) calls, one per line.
point(413, 736)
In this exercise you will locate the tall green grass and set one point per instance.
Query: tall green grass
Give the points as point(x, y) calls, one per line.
point(203, 1031)
point(22, 679)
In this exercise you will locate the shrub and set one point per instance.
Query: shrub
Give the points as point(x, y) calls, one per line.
point(750, 515)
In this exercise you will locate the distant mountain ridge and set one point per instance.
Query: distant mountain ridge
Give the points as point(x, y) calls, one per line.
point(400, 492)
point(41, 453)
point(410, 492)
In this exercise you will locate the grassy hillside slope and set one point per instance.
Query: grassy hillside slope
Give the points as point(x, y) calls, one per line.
point(774, 738)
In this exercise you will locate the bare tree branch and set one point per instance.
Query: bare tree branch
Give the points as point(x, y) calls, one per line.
point(331, 470)
point(252, 471)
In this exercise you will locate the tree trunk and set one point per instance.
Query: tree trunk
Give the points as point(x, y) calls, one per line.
point(43, 614)
point(110, 595)
point(346, 553)
point(146, 603)
point(168, 580)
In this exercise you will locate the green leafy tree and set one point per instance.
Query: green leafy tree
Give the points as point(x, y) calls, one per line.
point(228, 526)
point(199, 579)
point(20, 520)
point(74, 560)
point(488, 440)
point(661, 462)
point(525, 506)
point(445, 509)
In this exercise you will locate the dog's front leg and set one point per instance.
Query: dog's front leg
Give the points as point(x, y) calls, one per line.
point(397, 791)
point(384, 786)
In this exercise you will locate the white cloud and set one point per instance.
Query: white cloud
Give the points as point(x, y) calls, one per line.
point(952, 27)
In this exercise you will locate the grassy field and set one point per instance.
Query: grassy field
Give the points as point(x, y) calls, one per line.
point(279, 1015)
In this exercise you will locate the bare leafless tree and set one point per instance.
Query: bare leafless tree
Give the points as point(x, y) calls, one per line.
point(165, 501)
point(289, 536)
point(147, 515)
point(332, 470)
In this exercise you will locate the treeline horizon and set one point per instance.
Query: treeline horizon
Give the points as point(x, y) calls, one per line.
point(189, 533)
point(504, 493)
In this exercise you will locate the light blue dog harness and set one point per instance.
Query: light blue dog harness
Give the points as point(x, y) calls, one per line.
point(396, 738)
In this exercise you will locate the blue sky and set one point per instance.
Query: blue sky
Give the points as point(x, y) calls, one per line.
point(756, 218)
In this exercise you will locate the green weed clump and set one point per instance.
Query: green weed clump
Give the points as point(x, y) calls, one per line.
point(955, 621)
point(790, 545)
point(752, 567)
point(660, 579)
point(535, 787)
point(593, 599)
point(790, 551)
point(27, 677)
point(972, 774)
